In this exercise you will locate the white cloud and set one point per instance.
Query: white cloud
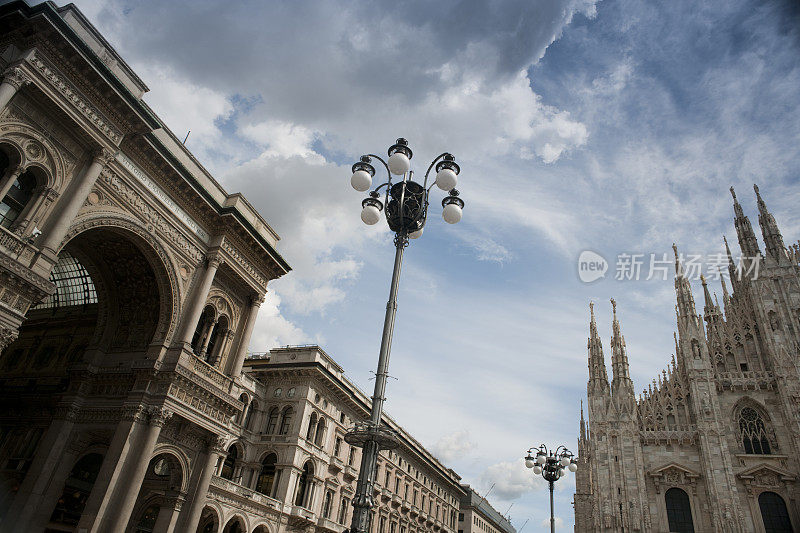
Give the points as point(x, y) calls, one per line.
point(546, 522)
point(272, 329)
point(449, 447)
point(511, 479)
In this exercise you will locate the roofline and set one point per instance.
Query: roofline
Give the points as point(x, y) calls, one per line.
point(51, 12)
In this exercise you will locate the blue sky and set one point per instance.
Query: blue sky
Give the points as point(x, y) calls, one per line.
point(615, 126)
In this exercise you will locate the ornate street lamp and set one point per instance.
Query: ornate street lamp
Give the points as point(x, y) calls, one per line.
point(551, 465)
point(405, 206)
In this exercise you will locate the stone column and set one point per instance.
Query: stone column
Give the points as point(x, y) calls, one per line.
point(123, 446)
point(190, 514)
point(244, 341)
point(8, 182)
point(209, 331)
point(45, 479)
point(194, 307)
point(168, 514)
point(127, 488)
point(13, 80)
point(71, 202)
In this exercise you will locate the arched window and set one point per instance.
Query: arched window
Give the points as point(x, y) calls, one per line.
point(679, 511)
point(248, 420)
point(229, 464)
point(326, 504)
point(774, 513)
point(753, 432)
point(148, 520)
point(286, 420)
point(69, 507)
point(320, 434)
point(266, 478)
point(312, 426)
point(272, 421)
point(217, 341)
point(73, 284)
point(17, 198)
point(303, 484)
point(203, 330)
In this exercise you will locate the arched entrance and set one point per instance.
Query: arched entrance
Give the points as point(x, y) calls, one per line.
point(234, 525)
point(160, 495)
point(209, 521)
point(76, 491)
point(774, 513)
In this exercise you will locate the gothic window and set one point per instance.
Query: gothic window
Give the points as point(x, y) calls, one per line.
point(320, 433)
point(77, 487)
point(272, 422)
point(286, 420)
point(679, 511)
point(229, 464)
point(266, 478)
point(73, 284)
point(752, 432)
point(248, 420)
point(312, 426)
point(304, 484)
point(774, 513)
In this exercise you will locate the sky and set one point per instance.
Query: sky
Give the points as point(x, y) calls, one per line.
point(613, 126)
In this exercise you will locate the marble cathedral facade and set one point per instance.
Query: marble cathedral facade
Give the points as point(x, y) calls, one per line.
point(130, 281)
point(714, 443)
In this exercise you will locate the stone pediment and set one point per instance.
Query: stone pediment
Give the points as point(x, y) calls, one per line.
point(673, 474)
point(765, 475)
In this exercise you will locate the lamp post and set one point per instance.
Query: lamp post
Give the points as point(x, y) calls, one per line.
point(405, 206)
point(551, 465)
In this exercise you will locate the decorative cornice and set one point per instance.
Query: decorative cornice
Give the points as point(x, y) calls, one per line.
point(60, 83)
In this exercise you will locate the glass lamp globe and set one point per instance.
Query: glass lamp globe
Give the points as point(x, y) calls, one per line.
point(529, 463)
point(537, 470)
point(446, 179)
point(451, 213)
point(361, 180)
point(541, 458)
point(415, 234)
point(573, 467)
point(370, 215)
point(399, 163)
point(565, 461)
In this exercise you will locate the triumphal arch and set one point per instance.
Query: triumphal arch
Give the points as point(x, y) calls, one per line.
point(129, 287)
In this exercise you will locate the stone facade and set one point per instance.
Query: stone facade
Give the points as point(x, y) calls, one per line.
point(714, 443)
point(129, 286)
point(478, 516)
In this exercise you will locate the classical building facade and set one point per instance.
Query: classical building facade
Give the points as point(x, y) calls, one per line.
point(714, 443)
point(129, 286)
point(478, 516)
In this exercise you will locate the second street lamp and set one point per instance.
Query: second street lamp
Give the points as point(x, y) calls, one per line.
point(551, 465)
point(405, 206)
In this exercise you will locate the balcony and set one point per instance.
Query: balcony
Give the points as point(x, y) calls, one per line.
point(330, 525)
point(230, 490)
point(386, 494)
point(350, 472)
point(395, 500)
point(405, 505)
point(300, 517)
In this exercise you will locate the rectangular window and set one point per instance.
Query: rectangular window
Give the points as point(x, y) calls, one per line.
point(405, 492)
point(460, 517)
point(337, 448)
point(397, 486)
point(343, 510)
point(382, 525)
point(350, 456)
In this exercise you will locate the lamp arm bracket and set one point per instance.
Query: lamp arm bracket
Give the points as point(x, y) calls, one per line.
point(438, 157)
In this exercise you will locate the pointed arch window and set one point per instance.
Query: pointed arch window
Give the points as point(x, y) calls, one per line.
point(753, 432)
point(679, 511)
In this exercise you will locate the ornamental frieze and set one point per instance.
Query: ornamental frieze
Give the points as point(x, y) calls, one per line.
point(74, 96)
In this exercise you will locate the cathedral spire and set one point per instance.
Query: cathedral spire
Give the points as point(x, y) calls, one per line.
point(744, 230)
point(583, 425)
point(682, 289)
point(621, 384)
point(598, 377)
point(773, 240)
